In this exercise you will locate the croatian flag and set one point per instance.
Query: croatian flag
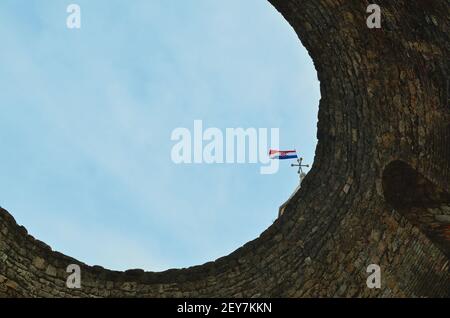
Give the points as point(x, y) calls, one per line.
point(282, 155)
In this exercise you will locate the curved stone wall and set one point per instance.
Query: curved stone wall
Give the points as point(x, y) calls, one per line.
point(384, 99)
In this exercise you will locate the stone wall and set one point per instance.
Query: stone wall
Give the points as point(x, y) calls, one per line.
point(384, 99)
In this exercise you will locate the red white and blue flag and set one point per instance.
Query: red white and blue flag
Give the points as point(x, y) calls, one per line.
point(283, 154)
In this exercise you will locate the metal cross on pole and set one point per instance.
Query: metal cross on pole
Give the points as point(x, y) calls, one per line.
point(300, 170)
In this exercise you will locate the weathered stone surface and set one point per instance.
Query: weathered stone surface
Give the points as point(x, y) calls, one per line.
point(39, 263)
point(384, 107)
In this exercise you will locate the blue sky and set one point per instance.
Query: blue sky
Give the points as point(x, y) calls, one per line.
point(86, 118)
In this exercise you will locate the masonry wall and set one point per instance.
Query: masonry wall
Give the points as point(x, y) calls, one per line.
point(384, 99)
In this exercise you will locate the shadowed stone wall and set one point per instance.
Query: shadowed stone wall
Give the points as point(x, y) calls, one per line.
point(384, 99)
